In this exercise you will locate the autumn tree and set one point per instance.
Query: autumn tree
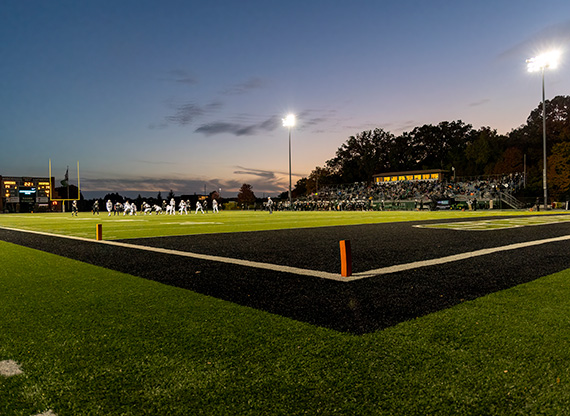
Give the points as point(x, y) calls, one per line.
point(511, 161)
point(246, 195)
point(529, 137)
point(215, 195)
point(300, 188)
point(559, 171)
point(320, 176)
point(440, 147)
point(484, 152)
point(456, 144)
point(361, 156)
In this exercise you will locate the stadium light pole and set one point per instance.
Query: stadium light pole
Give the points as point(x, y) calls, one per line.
point(289, 122)
point(540, 63)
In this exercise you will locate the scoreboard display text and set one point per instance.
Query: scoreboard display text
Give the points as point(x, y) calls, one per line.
point(24, 190)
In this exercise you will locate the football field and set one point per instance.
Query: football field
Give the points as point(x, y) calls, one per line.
point(246, 313)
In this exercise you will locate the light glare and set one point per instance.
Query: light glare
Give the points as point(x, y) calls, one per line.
point(546, 60)
point(289, 121)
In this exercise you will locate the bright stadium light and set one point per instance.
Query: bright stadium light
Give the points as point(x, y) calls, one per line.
point(289, 122)
point(540, 63)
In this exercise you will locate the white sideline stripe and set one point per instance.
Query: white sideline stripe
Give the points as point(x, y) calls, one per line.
point(455, 257)
point(315, 273)
point(229, 260)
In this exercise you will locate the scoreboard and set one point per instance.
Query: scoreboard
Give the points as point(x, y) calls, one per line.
point(10, 190)
point(22, 190)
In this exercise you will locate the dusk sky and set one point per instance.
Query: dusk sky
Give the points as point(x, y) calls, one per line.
point(150, 96)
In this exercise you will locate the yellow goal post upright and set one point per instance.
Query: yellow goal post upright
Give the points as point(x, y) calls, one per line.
point(51, 186)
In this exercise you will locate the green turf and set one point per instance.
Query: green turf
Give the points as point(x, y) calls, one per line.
point(119, 227)
point(97, 342)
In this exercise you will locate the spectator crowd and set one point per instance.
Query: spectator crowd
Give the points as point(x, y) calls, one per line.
point(423, 194)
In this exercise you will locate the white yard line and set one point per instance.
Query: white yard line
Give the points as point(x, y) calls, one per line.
point(315, 273)
point(455, 257)
point(228, 260)
point(497, 224)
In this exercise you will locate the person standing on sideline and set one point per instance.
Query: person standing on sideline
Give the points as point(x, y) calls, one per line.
point(74, 208)
point(215, 206)
point(270, 205)
point(109, 207)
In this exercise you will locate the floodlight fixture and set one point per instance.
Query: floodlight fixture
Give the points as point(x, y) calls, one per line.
point(289, 122)
point(543, 61)
point(540, 63)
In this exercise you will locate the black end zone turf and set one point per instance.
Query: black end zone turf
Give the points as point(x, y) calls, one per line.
point(357, 307)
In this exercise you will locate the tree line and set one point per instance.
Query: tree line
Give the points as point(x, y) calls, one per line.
point(456, 145)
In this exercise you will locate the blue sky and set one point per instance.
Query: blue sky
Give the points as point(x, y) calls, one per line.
point(150, 96)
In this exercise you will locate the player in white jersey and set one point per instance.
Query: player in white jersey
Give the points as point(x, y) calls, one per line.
point(146, 208)
point(199, 207)
point(126, 208)
point(215, 206)
point(172, 207)
point(157, 209)
point(109, 207)
point(182, 207)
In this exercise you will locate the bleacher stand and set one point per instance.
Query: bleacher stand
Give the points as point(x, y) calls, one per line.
point(360, 196)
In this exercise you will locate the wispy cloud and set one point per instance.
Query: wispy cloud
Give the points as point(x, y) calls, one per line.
point(149, 184)
point(187, 113)
point(553, 36)
point(146, 186)
point(267, 174)
point(480, 102)
point(157, 126)
point(221, 127)
point(182, 77)
point(310, 119)
point(244, 87)
point(407, 125)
